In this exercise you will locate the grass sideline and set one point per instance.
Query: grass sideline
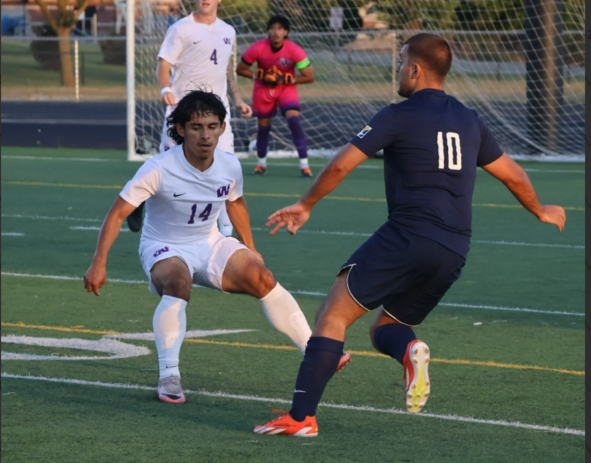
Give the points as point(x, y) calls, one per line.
point(68, 422)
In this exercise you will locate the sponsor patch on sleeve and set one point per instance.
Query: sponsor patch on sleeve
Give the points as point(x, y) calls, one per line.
point(364, 132)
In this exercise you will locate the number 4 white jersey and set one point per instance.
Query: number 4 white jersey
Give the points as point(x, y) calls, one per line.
point(183, 203)
point(199, 54)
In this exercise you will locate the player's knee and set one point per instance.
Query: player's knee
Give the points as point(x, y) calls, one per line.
point(372, 334)
point(177, 287)
point(264, 282)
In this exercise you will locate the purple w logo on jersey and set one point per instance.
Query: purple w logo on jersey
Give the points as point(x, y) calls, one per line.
point(227, 41)
point(223, 191)
point(160, 251)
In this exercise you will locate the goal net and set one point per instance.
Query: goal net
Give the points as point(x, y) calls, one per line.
point(519, 63)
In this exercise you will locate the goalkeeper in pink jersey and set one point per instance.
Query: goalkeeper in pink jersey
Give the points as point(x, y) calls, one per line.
point(275, 83)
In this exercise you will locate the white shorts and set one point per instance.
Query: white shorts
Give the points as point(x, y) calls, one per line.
point(205, 259)
point(225, 142)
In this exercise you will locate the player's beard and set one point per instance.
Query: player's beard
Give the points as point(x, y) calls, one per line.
point(404, 91)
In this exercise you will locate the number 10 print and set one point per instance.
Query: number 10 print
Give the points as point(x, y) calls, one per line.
point(452, 139)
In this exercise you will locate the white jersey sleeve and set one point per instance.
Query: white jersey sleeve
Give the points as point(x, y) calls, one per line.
point(238, 188)
point(172, 46)
point(143, 185)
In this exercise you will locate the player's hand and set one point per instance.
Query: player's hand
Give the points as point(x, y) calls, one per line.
point(95, 278)
point(553, 215)
point(294, 216)
point(245, 110)
point(168, 99)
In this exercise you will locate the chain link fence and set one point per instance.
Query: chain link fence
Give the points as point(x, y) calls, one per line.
point(38, 68)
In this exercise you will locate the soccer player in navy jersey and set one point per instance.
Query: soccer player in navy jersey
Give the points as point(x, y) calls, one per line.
point(432, 146)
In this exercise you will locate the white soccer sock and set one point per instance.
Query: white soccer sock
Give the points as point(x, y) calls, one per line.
point(303, 163)
point(170, 325)
point(262, 162)
point(224, 222)
point(284, 313)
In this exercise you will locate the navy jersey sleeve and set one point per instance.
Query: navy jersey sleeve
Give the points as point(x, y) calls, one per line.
point(489, 149)
point(378, 134)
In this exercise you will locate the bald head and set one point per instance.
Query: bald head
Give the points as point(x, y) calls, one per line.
point(432, 52)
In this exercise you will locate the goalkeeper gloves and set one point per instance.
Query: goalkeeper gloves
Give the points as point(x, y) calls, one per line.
point(274, 77)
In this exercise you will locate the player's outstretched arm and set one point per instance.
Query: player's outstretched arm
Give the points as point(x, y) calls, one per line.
point(96, 275)
point(238, 213)
point(295, 216)
point(517, 181)
point(243, 108)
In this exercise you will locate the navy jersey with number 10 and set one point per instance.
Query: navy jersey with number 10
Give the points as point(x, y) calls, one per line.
point(432, 146)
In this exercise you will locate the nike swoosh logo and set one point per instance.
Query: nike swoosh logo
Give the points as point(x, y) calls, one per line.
point(195, 43)
point(176, 196)
point(296, 391)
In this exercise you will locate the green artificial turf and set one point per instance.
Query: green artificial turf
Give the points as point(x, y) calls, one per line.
point(54, 421)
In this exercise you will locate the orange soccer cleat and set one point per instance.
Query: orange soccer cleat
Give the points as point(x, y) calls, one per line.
point(416, 376)
point(343, 361)
point(260, 170)
point(306, 172)
point(285, 425)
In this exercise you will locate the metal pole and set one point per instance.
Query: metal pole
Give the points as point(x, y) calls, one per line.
point(394, 61)
point(76, 71)
point(544, 74)
point(130, 64)
point(94, 24)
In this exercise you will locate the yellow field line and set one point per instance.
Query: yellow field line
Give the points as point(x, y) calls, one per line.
point(268, 195)
point(361, 353)
point(73, 329)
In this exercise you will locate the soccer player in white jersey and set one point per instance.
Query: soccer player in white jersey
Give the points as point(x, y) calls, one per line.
point(196, 53)
point(184, 189)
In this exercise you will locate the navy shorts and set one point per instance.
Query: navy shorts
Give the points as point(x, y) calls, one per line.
point(403, 273)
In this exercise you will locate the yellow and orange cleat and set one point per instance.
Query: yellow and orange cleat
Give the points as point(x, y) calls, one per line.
point(416, 376)
point(285, 425)
point(306, 172)
point(260, 170)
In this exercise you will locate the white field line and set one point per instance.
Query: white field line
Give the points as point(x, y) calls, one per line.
point(45, 217)
point(315, 293)
point(225, 395)
point(253, 163)
point(12, 234)
point(47, 158)
point(311, 232)
point(123, 230)
point(501, 243)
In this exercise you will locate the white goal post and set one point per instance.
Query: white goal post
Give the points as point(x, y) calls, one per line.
point(520, 64)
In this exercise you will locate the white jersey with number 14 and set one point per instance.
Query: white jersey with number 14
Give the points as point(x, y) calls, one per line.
point(183, 203)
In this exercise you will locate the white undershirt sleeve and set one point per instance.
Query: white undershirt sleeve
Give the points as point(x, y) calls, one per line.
point(143, 185)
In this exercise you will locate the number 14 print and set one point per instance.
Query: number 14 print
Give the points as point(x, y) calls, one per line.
point(204, 215)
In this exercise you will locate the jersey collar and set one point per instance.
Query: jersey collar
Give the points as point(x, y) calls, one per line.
point(189, 168)
point(430, 91)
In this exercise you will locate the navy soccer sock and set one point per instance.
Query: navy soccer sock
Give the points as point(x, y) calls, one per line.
point(393, 339)
point(263, 140)
point(319, 365)
point(298, 135)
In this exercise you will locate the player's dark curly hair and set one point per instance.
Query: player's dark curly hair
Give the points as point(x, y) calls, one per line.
point(278, 19)
point(196, 103)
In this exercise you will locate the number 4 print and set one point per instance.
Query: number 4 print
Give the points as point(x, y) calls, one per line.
point(214, 57)
point(204, 215)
